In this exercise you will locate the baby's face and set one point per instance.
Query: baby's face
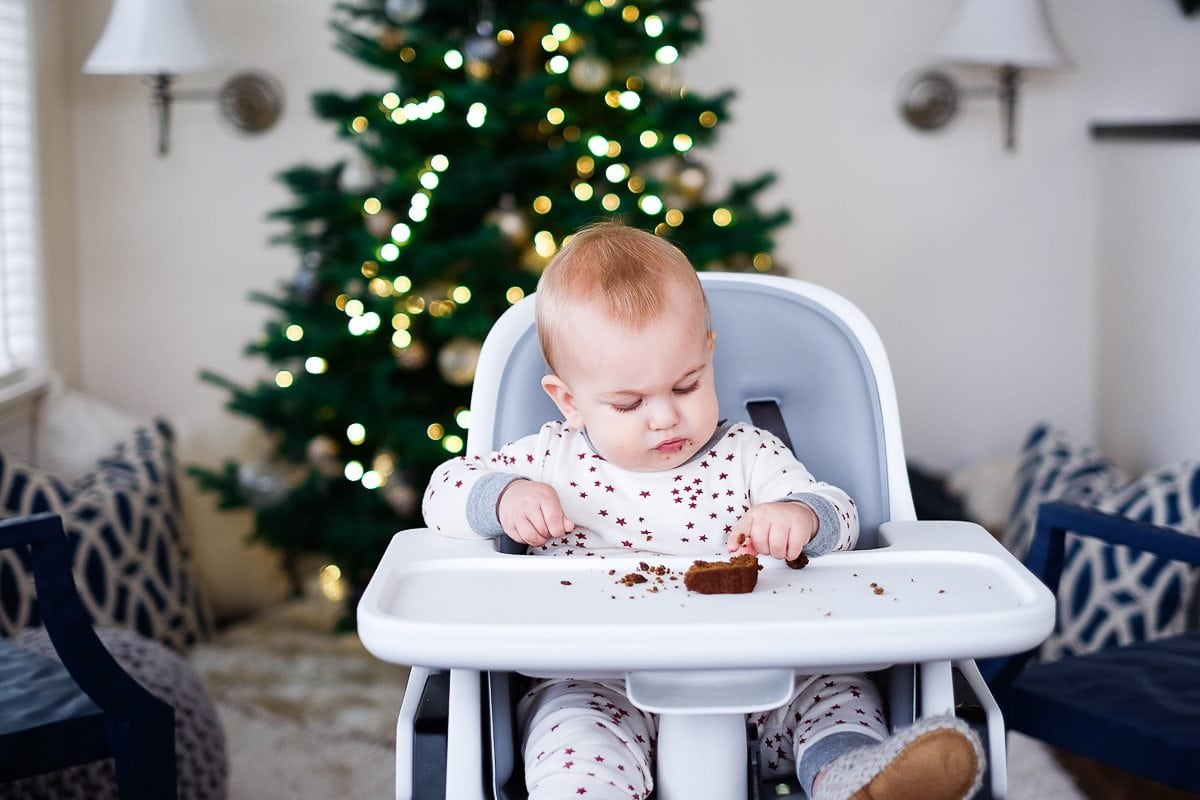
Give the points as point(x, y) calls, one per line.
point(646, 397)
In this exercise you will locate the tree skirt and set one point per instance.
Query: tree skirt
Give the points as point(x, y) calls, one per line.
point(310, 714)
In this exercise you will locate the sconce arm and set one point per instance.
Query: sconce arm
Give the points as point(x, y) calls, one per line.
point(250, 102)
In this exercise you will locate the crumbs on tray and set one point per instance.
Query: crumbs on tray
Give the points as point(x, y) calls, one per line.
point(656, 576)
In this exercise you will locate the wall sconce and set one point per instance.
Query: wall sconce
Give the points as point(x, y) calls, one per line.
point(163, 38)
point(1010, 35)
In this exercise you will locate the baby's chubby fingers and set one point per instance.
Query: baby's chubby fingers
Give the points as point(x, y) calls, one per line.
point(555, 523)
point(781, 529)
point(531, 512)
point(526, 532)
point(739, 542)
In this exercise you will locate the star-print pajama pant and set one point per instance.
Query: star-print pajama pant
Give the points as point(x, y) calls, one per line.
point(584, 738)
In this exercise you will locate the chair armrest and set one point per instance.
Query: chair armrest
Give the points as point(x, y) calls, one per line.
point(68, 623)
point(1047, 556)
point(1056, 520)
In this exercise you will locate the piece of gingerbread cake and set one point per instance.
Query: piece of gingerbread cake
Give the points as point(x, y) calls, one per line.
point(738, 575)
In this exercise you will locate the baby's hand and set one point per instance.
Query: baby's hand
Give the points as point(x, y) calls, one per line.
point(531, 513)
point(780, 529)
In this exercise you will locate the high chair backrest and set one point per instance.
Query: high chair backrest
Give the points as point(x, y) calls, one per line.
point(781, 343)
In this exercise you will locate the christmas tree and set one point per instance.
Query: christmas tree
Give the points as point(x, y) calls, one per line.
point(495, 131)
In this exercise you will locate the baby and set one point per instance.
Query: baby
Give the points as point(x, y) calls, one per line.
point(641, 464)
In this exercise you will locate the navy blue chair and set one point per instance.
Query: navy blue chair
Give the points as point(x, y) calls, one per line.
point(86, 707)
point(1135, 707)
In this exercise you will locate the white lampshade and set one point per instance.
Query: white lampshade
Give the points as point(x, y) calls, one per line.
point(1012, 32)
point(152, 37)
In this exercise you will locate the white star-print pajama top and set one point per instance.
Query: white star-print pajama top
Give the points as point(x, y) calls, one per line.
point(584, 737)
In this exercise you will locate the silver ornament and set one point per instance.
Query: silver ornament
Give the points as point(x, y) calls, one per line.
point(403, 11)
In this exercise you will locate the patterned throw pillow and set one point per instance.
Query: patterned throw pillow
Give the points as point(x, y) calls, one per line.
point(131, 562)
point(1054, 467)
point(1109, 595)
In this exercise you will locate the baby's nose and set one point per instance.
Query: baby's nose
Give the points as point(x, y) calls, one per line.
point(663, 415)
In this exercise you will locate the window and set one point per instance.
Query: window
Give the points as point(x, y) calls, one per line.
point(20, 345)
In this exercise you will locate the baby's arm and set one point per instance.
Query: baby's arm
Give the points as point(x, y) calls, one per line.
point(486, 496)
point(791, 511)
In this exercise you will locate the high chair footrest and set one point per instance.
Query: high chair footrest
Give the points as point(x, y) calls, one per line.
point(712, 691)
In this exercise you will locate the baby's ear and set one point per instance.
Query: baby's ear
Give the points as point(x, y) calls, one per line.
point(560, 393)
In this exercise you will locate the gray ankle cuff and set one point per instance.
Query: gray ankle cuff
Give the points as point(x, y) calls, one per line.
point(826, 750)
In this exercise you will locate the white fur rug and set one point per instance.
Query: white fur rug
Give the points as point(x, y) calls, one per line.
point(310, 715)
point(307, 713)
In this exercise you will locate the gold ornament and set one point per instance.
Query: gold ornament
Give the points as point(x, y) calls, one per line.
point(664, 78)
point(414, 356)
point(380, 224)
point(457, 361)
point(692, 181)
point(392, 39)
point(322, 453)
point(511, 221)
point(401, 496)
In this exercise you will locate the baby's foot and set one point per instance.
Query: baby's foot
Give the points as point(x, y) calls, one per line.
point(937, 758)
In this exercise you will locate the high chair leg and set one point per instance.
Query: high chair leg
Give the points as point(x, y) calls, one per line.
point(979, 696)
point(936, 688)
point(464, 741)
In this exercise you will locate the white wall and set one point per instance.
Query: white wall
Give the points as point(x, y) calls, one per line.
point(974, 263)
point(978, 266)
point(1148, 392)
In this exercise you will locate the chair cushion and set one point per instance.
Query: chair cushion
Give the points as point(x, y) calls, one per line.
point(1137, 707)
point(123, 521)
point(35, 689)
point(37, 696)
point(201, 758)
point(1108, 595)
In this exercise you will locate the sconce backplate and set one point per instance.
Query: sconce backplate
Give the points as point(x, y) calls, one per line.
point(251, 101)
point(929, 100)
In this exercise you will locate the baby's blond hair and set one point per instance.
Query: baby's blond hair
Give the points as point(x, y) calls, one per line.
point(629, 275)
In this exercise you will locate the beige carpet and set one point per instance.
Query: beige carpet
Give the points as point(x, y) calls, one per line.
point(310, 715)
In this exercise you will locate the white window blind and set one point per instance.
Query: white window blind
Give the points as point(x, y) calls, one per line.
point(19, 278)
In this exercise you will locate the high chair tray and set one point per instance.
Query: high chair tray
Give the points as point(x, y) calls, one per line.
point(936, 591)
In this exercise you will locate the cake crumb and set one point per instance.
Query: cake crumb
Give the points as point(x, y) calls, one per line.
point(565, 583)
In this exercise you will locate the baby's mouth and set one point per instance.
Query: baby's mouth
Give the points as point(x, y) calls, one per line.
point(671, 446)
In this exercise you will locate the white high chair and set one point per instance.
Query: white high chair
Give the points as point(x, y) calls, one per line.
point(787, 352)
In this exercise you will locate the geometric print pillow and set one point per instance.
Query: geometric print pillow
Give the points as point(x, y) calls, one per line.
point(129, 554)
point(1112, 595)
point(1109, 594)
point(1053, 466)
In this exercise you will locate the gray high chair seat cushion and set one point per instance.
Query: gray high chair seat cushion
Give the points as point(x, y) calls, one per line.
point(202, 765)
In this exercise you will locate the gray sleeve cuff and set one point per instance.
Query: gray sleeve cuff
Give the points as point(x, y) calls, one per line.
point(483, 502)
point(829, 528)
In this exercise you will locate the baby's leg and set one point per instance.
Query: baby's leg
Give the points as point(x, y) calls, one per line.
point(584, 738)
point(829, 715)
